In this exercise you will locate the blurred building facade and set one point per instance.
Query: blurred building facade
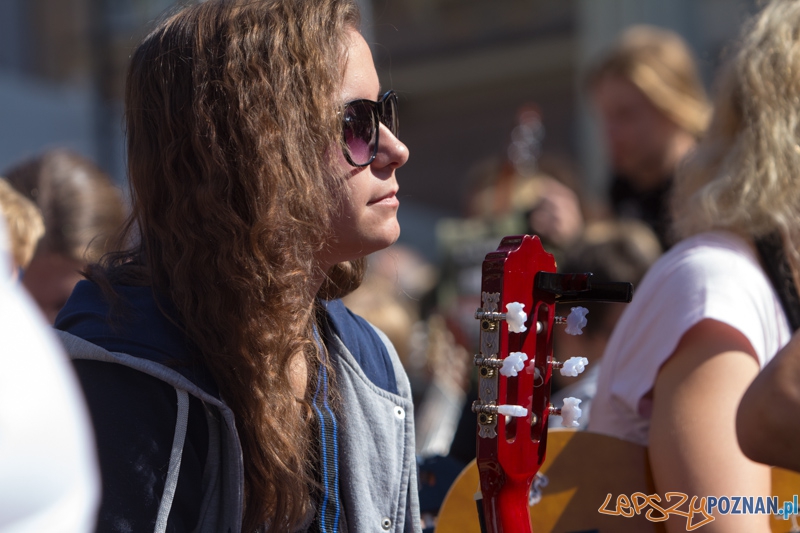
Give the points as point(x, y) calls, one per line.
point(62, 66)
point(462, 69)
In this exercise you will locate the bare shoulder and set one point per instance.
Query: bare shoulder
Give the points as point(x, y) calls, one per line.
point(693, 446)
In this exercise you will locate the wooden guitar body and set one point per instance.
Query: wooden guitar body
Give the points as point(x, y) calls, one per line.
point(582, 468)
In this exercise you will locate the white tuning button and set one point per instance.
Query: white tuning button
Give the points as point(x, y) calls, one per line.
point(516, 317)
point(513, 410)
point(571, 413)
point(573, 366)
point(513, 364)
point(576, 320)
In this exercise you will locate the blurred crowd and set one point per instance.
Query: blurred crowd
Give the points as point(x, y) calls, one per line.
point(62, 213)
point(652, 107)
point(651, 104)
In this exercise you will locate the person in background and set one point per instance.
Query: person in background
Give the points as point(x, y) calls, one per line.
point(82, 211)
point(230, 388)
point(25, 226)
point(535, 192)
point(612, 251)
point(652, 109)
point(709, 314)
point(522, 192)
point(768, 419)
point(518, 193)
point(48, 466)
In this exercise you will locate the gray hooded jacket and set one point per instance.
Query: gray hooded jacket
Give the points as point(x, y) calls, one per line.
point(377, 467)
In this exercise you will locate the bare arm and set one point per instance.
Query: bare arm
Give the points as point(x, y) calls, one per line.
point(693, 446)
point(768, 421)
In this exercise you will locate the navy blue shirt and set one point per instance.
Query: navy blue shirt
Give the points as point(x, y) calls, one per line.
point(142, 330)
point(362, 341)
point(137, 327)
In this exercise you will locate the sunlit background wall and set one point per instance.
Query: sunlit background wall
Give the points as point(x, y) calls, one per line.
point(462, 67)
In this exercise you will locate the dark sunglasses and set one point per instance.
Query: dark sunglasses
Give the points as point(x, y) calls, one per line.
point(361, 127)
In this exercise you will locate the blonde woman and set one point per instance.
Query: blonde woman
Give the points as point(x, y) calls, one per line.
point(707, 317)
point(25, 226)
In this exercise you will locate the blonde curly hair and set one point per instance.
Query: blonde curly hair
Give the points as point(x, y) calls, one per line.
point(743, 175)
point(24, 223)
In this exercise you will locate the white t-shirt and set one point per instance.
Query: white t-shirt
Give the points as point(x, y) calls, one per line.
point(714, 275)
point(49, 478)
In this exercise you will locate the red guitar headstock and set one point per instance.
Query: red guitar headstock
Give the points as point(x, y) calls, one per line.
point(515, 366)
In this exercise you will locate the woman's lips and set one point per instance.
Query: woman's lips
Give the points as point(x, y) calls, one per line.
point(387, 200)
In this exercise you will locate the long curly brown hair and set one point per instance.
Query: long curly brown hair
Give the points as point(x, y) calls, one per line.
point(231, 111)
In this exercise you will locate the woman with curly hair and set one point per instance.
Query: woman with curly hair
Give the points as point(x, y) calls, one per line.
point(229, 387)
point(720, 304)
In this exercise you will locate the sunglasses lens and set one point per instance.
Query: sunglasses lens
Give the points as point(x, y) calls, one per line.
point(389, 117)
point(359, 132)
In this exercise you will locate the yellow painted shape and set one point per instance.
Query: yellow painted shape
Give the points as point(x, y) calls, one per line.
point(582, 468)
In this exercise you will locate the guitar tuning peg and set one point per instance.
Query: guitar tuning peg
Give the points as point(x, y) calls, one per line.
point(575, 322)
point(512, 410)
point(516, 317)
point(513, 364)
point(572, 366)
point(504, 410)
point(570, 413)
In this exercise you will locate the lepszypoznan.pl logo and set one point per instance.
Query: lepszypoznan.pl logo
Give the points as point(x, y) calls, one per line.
point(698, 511)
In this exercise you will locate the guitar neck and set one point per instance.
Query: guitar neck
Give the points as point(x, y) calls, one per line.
point(519, 292)
point(511, 449)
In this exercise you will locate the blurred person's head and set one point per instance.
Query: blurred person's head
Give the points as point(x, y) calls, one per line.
point(24, 224)
point(744, 174)
point(82, 212)
point(651, 103)
point(612, 251)
point(549, 201)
